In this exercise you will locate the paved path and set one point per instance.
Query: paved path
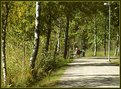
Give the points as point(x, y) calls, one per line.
point(90, 73)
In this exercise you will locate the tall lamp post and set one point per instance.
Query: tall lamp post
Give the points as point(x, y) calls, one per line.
point(108, 4)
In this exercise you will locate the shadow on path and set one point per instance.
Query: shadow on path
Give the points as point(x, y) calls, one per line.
point(90, 73)
point(101, 57)
point(92, 64)
point(91, 82)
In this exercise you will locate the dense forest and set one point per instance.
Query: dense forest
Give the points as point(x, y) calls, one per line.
point(40, 37)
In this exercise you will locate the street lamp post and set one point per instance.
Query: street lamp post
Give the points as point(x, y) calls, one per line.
point(109, 31)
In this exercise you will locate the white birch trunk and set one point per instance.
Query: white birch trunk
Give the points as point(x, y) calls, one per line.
point(4, 60)
point(36, 38)
point(95, 43)
point(4, 26)
point(117, 45)
point(58, 45)
point(95, 46)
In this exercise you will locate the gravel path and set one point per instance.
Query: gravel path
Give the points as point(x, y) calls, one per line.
point(90, 73)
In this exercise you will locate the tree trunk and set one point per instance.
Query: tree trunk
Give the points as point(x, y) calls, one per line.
point(36, 38)
point(95, 40)
point(48, 30)
point(55, 51)
point(105, 38)
point(4, 26)
point(109, 41)
point(84, 42)
point(58, 45)
point(105, 44)
point(68, 46)
point(66, 37)
point(24, 57)
point(117, 45)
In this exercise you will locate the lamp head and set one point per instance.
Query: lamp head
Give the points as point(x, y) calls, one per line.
point(106, 3)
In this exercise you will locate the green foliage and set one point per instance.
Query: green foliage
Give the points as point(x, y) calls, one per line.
point(20, 35)
point(51, 79)
point(115, 61)
point(89, 53)
point(48, 63)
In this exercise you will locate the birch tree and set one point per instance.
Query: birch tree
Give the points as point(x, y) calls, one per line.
point(117, 45)
point(58, 44)
point(105, 28)
point(95, 40)
point(5, 12)
point(36, 38)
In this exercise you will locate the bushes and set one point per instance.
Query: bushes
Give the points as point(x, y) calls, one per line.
point(19, 76)
point(46, 64)
point(49, 63)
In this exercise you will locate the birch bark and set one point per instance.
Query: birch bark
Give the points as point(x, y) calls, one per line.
point(36, 38)
point(4, 26)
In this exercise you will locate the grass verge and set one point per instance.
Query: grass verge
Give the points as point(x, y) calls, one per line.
point(52, 79)
point(115, 61)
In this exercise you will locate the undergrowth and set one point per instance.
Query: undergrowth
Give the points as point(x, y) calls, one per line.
point(46, 68)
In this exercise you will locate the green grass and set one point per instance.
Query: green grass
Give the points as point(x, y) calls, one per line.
point(51, 80)
point(89, 53)
point(14, 69)
point(18, 76)
point(115, 61)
